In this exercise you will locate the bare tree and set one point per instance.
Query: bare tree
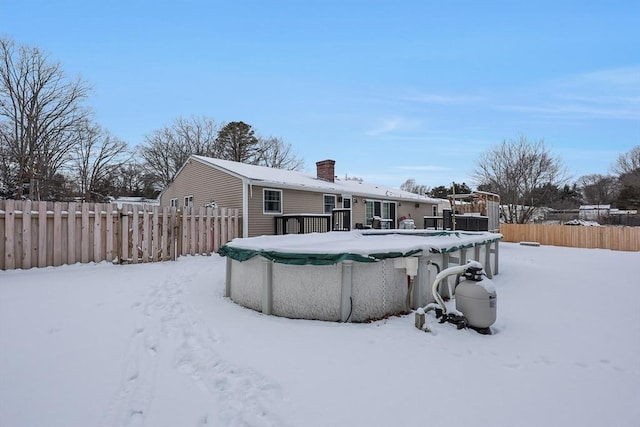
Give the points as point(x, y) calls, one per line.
point(167, 149)
point(599, 189)
point(132, 179)
point(97, 156)
point(40, 109)
point(275, 153)
point(627, 167)
point(7, 169)
point(411, 186)
point(519, 171)
point(628, 162)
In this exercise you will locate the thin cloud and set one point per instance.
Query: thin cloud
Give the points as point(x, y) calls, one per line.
point(625, 76)
point(394, 124)
point(423, 168)
point(602, 94)
point(577, 110)
point(440, 99)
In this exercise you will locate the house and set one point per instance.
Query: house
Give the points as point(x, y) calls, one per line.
point(120, 201)
point(593, 212)
point(266, 196)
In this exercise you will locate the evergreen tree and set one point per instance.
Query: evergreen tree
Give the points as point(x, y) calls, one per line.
point(237, 141)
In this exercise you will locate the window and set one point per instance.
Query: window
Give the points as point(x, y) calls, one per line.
point(188, 201)
point(329, 203)
point(346, 202)
point(435, 210)
point(173, 203)
point(272, 201)
point(384, 210)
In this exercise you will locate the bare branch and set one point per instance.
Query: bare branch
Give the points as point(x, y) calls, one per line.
point(43, 109)
point(522, 173)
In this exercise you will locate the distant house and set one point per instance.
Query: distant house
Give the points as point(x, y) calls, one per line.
point(265, 195)
point(119, 201)
point(593, 212)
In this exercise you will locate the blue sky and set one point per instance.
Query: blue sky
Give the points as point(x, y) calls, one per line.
point(390, 90)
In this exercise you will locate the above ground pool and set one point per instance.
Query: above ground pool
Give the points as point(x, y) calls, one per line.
point(354, 276)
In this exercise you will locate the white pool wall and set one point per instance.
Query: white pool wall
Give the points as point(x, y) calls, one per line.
point(378, 290)
point(307, 291)
point(315, 291)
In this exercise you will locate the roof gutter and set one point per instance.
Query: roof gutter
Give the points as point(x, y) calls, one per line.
point(363, 193)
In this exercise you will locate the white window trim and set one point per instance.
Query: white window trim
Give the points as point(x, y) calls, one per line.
point(264, 190)
point(186, 201)
point(382, 203)
point(173, 203)
point(347, 197)
point(335, 202)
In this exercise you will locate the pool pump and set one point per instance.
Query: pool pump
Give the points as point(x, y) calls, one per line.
point(475, 299)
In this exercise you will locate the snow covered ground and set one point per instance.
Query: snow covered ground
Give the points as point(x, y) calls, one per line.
point(158, 345)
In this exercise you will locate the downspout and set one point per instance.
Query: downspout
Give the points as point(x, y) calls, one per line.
point(245, 207)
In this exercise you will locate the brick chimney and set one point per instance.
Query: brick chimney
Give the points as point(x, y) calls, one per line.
point(326, 170)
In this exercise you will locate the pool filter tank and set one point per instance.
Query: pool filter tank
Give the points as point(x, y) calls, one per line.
point(475, 298)
point(478, 304)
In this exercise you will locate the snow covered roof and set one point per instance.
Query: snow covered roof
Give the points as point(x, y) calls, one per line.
point(119, 201)
point(594, 207)
point(293, 179)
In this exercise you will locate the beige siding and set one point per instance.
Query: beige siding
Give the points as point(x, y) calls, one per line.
point(357, 210)
point(410, 210)
point(258, 223)
point(293, 202)
point(307, 202)
point(403, 208)
point(296, 201)
point(206, 184)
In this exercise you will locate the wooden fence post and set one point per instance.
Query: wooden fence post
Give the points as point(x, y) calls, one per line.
point(57, 234)
point(26, 235)
point(9, 233)
point(84, 233)
point(146, 237)
point(209, 232)
point(193, 235)
point(9, 227)
point(135, 234)
point(202, 232)
point(155, 227)
point(71, 234)
point(108, 230)
point(124, 232)
point(41, 248)
point(223, 226)
point(117, 237)
point(97, 232)
point(174, 238)
point(216, 230)
point(185, 231)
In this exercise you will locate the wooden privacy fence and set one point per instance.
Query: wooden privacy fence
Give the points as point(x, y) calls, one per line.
point(41, 234)
point(615, 238)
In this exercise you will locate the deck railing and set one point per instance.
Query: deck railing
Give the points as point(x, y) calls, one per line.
point(338, 220)
point(462, 222)
point(302, 223)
